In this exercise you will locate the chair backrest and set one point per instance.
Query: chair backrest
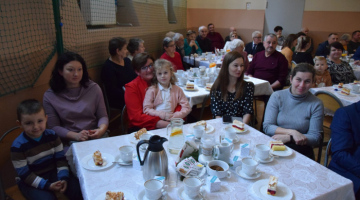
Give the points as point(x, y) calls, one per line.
point(293, 65)
point(105, 99)
point(329, 100)
point(6, 141)
point(124, 120)
point(327, 153)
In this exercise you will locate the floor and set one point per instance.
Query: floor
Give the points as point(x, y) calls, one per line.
point(115, 127)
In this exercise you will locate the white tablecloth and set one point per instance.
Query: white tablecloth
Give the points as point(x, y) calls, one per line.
point(306, 178)
point(262, 87)
point(357, 72)
point(346, 100)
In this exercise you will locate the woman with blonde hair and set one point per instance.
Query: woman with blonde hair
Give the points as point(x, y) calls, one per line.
point(301, 55)
point(288, 44)
point(230, 95)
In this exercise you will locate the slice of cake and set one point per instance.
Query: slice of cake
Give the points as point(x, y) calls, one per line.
point(189, 86)
point(356, 82)
point(140, 133)
point(97, 158)
point(345, 91)
point(201, 123)
point(340, 85)
point(238, 125)
point(114, 196)
point(272, 185)
point(208, 86)
point(277, 146)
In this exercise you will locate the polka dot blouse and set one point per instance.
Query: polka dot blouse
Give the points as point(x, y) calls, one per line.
point(236, 108)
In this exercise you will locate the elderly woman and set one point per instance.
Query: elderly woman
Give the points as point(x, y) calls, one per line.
point(295, 116)
point(233, 35)
point(340, 71)
point(288, 44)
point(171, 55)
point(344, 40)
point(230, 95)
point(74, 104)
point(135, 94)
point(302, 55)
point(191, 46)
point(238, 45)
point(116, 72)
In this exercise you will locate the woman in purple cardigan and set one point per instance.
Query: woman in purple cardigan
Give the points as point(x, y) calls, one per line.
point(74, 104)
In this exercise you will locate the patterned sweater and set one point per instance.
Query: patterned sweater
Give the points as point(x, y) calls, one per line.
point(32, 158)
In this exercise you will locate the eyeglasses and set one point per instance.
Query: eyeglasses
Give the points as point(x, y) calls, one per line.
point(147, 67)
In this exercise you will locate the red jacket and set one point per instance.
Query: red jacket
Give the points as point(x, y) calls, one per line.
point(176, 61)
point(134, 96)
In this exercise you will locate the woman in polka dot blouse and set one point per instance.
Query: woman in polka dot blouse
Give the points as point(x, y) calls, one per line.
point(230, 94)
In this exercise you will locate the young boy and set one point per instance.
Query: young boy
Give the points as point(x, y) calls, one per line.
point(322, 76)
point(38, 157)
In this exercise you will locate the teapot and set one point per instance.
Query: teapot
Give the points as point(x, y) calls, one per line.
point(155, 162)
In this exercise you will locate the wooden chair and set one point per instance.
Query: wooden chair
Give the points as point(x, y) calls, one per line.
point(124, 121)
point(293, 65)
point(206, 103)
point(327, 153)
point(113, 113)
point(6, 141)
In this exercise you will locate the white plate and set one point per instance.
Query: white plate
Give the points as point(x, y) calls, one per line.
point(194, 90)
point(132, 139)
point(236, 130)
point(285, 153)
point(246, 77)
point(337, 87)
point(183, 196)
point(245, 176)
point(283, 192)
point(209, 128)
point(350, 95)
point(88, 162)
point(128, 196)
point(142, 196)
point(268, 160)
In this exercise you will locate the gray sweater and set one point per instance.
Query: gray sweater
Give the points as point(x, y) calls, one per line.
point(303, 113)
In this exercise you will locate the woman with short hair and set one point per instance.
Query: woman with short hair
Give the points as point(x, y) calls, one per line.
point(294, 115)
point(171, 55)
point(340, 71)
point(239, 46)
point(191, 46)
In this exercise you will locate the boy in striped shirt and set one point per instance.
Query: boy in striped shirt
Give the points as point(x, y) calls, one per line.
point(38, 157)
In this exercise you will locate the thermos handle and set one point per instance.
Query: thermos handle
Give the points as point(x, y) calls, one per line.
point(137, 150)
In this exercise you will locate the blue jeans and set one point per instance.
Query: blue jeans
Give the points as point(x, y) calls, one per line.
point(73, 191)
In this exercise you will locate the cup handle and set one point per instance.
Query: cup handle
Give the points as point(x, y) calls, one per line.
point(228, 174)
point(216, 152)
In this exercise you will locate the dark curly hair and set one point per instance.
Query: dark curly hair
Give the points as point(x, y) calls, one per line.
point(57, 82)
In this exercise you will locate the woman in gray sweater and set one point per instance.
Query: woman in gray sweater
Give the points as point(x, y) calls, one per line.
point(295, 116)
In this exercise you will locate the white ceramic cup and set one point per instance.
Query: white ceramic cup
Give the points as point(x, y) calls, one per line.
point(154, 189)
point(230, 132)
point(223, 150)
point(183, 81)
point(180, 72)
point(356, 88)
point(199, 131)
point(126, 153)
point(197, 81)
point(204, 80)
point(249, 166)
point(262, 151)
point(192, 186)
point(219, 174)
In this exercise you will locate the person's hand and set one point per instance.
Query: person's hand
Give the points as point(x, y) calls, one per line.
point(168, 116)
point(83, 135)
point(64, 186)
point(192, 43)
point(56, 186)
point(282, 138)
point(96, 133)
point(300, 139)
point(357, 62)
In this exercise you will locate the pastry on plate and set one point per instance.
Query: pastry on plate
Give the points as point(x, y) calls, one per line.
point(140, 133)
point(272, 185)
point(97, 158)
point(340, 85)
point(208, 86)
point(356, 82)
point(190, 86)
point(277, 146)
point(238, 125)
point(114, 195)
point(345, 91)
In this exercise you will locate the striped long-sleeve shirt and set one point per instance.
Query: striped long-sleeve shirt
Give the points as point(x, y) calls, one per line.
point(32, 158)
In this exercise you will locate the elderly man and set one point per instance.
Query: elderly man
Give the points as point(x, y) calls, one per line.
point(306, 31)
point(204, 42)
point(135, 46)
point(345, 144)
point(179, 44)
point(355, 42)
point(323, 48)
point(231, 29)
point(270, 64)
point(217, 40)
point(256, 45)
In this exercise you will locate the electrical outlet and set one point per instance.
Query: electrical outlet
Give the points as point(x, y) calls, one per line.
point(248, 5)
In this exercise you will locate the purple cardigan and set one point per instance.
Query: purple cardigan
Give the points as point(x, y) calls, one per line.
point(75, 109)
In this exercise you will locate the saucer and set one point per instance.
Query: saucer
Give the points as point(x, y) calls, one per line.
point(236, 139)
point(245, 176)
point(183, 196)
point(142, 196)
point(267, 160)
point(121, 162)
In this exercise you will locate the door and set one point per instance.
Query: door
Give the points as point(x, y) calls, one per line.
point(285, 13)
